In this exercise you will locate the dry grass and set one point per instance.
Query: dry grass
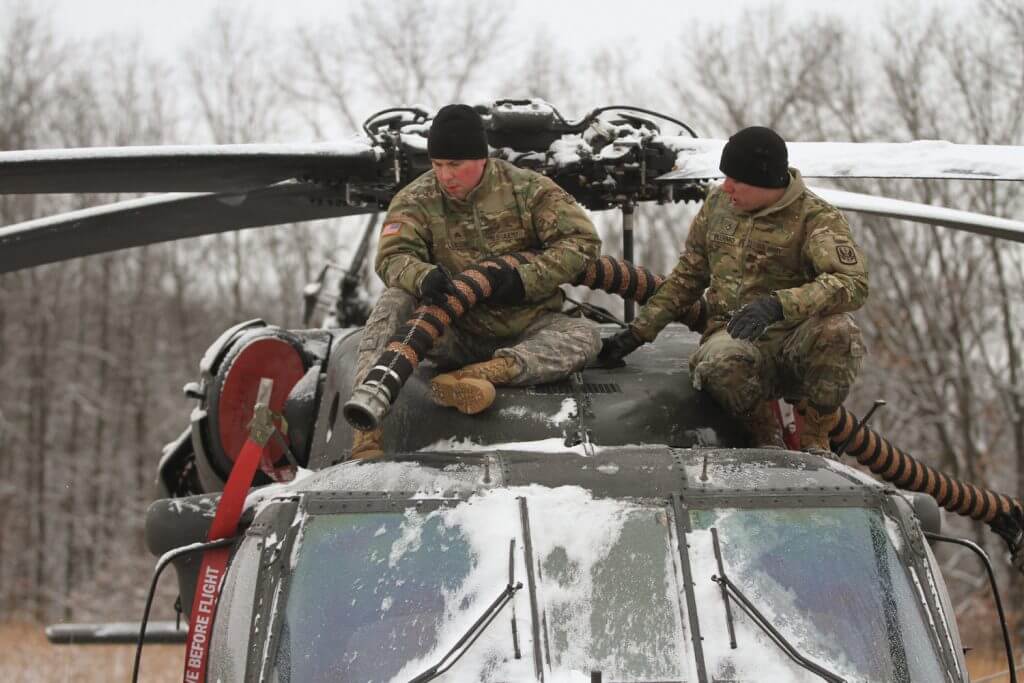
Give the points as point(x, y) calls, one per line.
point(27, 657)
point(982, 664)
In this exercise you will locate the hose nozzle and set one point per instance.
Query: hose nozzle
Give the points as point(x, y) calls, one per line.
point(367, 407)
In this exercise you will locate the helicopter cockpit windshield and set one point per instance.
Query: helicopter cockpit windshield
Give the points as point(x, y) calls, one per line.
point(381, 589)
point(380, 592)
point(829, 579)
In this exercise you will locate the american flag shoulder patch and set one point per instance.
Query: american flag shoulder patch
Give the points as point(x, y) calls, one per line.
point(391, 229)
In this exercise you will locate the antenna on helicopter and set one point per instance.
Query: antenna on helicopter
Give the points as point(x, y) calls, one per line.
point(628, 209)
point(341, 300)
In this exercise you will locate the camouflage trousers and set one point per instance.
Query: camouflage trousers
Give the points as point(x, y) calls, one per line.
point(551, 348)
point(817, 360)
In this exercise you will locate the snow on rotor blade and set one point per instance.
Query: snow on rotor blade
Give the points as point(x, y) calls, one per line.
point(976, 223)
point(698, 159)
point(163, 218)
point(180, 168)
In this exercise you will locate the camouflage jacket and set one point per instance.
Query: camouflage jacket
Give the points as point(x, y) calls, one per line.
point(800, 248)
point(512, 209)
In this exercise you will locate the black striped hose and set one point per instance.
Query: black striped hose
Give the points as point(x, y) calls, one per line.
point(404, 351)
point(616, 276)
point(1003, 513)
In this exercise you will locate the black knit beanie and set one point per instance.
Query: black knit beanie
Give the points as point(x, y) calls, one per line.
point(756, 156)
point(457, 132)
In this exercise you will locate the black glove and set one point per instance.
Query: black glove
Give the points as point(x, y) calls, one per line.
point(752, 320)
point(1010, 526)
point(508, 287)
point(614, 349)
point(436, 287)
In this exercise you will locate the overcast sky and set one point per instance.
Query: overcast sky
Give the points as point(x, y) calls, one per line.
point(650, 32)
point(168, 25)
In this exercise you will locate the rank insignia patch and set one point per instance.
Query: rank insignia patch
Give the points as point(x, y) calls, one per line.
point(847, 254)
point(391, 229)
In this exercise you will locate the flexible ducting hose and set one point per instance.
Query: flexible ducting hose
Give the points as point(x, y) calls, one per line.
point(616, 276)
point(404, 351)
point(894, 465)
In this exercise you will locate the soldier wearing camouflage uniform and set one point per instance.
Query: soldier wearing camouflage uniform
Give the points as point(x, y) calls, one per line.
point(469, 208)
point(782, 274)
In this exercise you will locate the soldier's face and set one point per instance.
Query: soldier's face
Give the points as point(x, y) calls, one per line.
point(750, 198)
point(458, 177)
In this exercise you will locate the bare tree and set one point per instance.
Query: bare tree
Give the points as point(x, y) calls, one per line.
point(427, 60)
point(30, 57)
point(765, 71)
point(544, 70)
point(941, 317)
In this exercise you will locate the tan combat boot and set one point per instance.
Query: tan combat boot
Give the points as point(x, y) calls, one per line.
point(763, 427)
point(366, 445)
point(817, 425)
point(470, 390)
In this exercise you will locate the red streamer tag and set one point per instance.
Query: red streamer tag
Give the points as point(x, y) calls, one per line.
point(215, 561)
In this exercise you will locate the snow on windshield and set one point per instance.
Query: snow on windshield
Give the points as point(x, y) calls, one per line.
point(610, 588)
point(828, 579)
point(383, 596)
point(756, 658)
point(573, 535)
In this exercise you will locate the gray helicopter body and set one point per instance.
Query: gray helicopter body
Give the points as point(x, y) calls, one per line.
point(599, 495)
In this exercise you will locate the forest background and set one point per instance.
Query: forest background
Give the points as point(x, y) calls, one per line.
point(94, 352)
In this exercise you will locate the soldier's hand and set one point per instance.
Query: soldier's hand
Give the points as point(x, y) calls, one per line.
point(508, 287)
point(752, 320)
point(614, 349)
point(1010, 526)
point(696, 316)
point(436, 286)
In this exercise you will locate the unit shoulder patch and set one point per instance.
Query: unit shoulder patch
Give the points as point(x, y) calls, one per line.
point(847, 254)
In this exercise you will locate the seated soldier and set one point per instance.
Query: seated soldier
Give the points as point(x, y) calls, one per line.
point(466, 209)
point(782, 273)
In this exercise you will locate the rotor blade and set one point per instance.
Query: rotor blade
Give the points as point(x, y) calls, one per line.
point(976, 223)
point(118, 632)
point(182, 168)
point(698, 159)
point(163, 218)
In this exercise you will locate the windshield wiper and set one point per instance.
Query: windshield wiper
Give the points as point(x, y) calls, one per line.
point(729, 589)
point(470, 636)
point(511, 580)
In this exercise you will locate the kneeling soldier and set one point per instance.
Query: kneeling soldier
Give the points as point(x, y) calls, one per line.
point(782, 274)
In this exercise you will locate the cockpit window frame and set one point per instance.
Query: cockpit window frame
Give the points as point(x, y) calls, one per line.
point(273, 580)
point(880, 499)
point(275, 518)
point(277, 581)
point(918, 557)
